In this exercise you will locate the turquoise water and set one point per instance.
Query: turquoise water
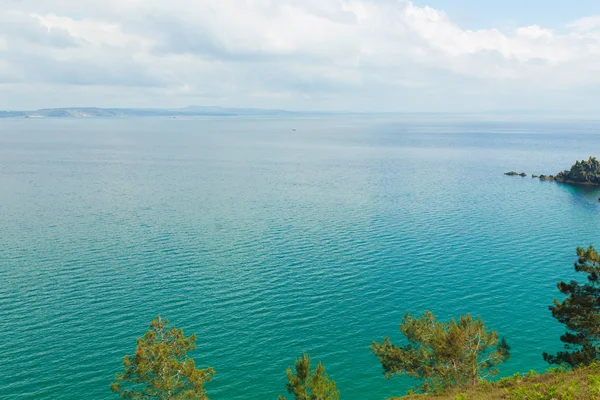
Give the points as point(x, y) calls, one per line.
point(266, 242)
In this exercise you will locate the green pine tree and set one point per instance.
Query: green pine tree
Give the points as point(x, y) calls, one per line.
point(307, 385)
point(161, 368)
point(580, 312)
point(443, 354)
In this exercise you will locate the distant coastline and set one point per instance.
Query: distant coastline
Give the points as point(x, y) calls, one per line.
point(97, 112)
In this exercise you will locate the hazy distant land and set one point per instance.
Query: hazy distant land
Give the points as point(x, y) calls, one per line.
point(95, 112)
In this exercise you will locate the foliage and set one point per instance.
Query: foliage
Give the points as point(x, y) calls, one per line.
point(307, 385)
point(579, 384)
point(443, 354)
point(580, 312)
point(161, 368)
point(545, 392)
point(582, 172)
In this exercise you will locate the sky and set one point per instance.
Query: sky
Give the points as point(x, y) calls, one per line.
point(352, 55)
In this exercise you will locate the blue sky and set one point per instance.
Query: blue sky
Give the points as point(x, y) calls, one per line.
point(473, 14)
point(360, 55)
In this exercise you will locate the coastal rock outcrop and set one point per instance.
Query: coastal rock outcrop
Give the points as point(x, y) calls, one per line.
point(546, 177)
point(585, 172)
point(513, 173)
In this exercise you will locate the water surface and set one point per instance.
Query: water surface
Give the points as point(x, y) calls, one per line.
point(267, 242)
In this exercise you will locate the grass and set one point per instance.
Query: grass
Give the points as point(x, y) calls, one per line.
point(556, 384)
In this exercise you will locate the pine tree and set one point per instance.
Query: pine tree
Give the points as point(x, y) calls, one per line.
point(161, 368)
point(305, 385)
point(580, 312)
point(443, 354)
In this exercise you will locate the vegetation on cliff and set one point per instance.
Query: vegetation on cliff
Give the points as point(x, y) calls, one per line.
point(582, 172)
point(161, 368)
point(305, 384)
point(580, 312)
point(443, 354)
point(555, 384)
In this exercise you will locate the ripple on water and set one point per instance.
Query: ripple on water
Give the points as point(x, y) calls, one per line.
point(266, 245)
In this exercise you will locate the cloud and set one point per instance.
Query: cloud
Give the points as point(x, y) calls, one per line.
point(376, 54)
point(19, 28)
point(91, 31)
point(587, 24)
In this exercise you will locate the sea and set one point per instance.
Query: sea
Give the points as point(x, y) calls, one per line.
point(272, 236)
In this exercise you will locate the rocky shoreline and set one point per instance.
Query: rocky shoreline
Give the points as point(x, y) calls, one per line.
point(585, 172)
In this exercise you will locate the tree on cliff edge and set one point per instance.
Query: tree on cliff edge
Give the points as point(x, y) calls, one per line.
point(443, 354)
point(307, 385)
point(161, 368)
point(580, 312)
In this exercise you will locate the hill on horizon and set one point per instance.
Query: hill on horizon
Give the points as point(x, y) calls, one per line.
point(90, 112)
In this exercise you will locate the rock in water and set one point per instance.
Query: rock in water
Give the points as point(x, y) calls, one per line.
point(587, 172)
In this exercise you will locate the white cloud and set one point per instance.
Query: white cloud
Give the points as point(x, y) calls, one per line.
point(294, 53)
point(92, 31)
point(586, 24)
point(535, 32)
